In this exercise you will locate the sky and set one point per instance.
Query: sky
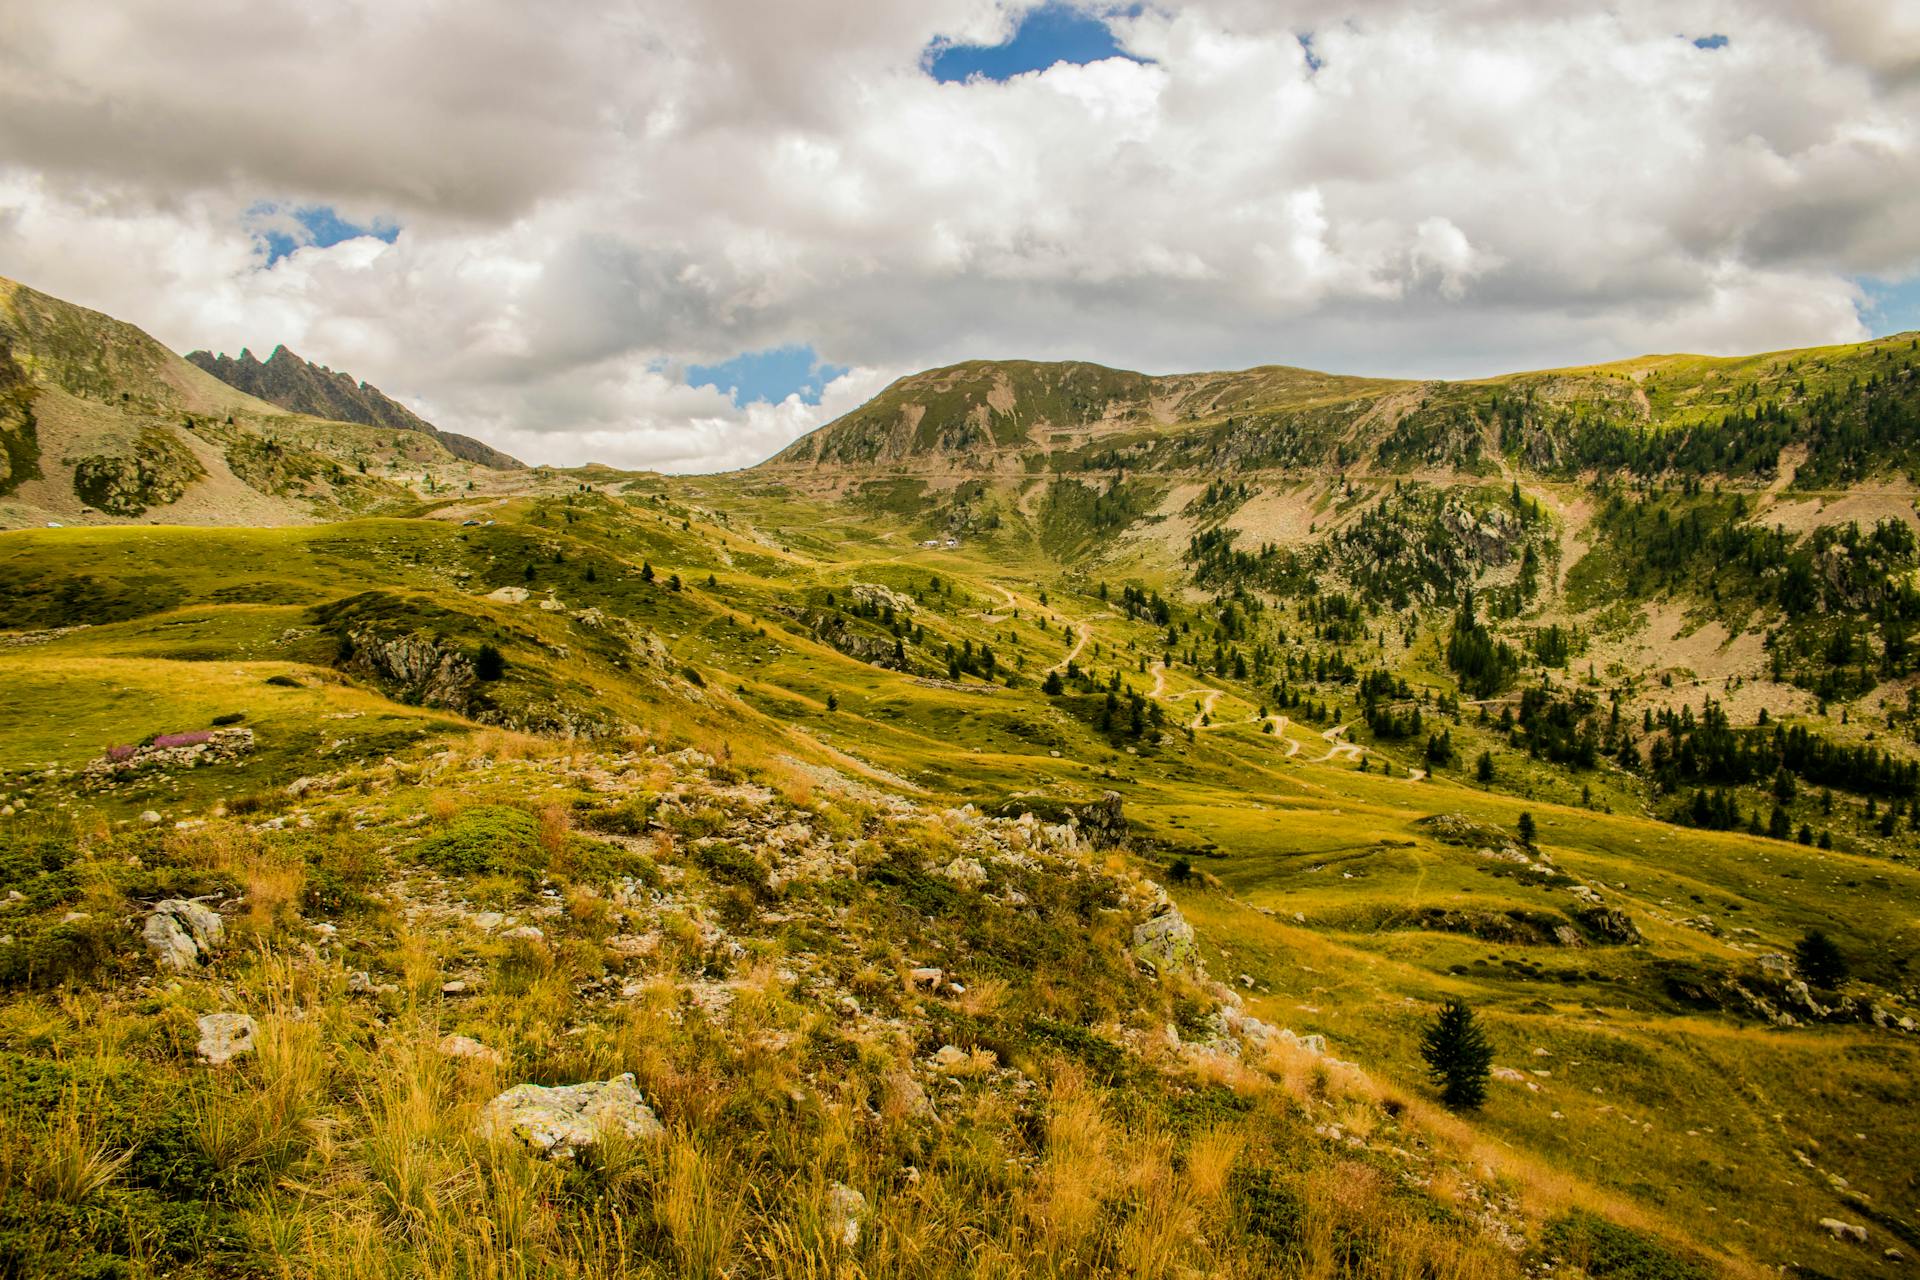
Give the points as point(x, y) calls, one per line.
point(671, 235)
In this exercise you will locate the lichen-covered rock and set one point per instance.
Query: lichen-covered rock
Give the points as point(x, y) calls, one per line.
point(846, 1211)
point(1167, 942)
point(224, 1037)
point(182, 934)
point(559, 1121)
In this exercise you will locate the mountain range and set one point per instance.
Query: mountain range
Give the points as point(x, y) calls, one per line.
point(299, 386)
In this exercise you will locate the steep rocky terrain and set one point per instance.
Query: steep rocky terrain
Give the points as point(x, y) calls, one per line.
point(317, 391)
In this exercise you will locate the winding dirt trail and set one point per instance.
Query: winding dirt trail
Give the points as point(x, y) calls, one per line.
point(1205, 709)
point(1337, 745)
point(1079, 643)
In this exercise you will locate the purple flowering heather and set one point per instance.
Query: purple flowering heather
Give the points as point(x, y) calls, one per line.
point(119, 755)
point(183, 739)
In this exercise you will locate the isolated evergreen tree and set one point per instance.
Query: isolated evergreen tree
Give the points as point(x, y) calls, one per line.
point(489, 664)
point(1820, 960)
point(646, 571)
point(1527, 829)
point(1053, 686)
point(1483, 767)
point(1458, 1056)
point(833, 702)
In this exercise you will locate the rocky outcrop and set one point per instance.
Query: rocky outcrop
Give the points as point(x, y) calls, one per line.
point(155, 473)
point(558, 1122)
point(415, 668)
point(182, 935)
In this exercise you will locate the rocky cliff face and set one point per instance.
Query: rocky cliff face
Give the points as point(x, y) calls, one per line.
point(303, 387)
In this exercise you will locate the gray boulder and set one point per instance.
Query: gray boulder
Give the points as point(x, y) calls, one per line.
point(182, 934)
point(1104, 822)
point(224, 1037)
point(557, 1122)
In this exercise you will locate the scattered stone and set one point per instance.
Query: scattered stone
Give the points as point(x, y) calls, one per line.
point(846, 1210)
point(149, 817)
point(224, 1037)
point(1844, 1230)
point(559, 1121)
point(454, 1046)
point(965, 871)
point(926, 976)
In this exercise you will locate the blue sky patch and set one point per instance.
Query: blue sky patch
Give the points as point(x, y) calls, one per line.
point(1051, 33)
point(1714, 41)
point(1314, 60)
point(281, 230)
point(1891, 307)
point(771, 375)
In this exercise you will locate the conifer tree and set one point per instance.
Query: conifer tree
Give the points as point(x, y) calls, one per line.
point(1458, 1056)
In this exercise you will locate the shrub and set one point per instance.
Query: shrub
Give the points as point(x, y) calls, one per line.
point(489, 663)
point(1820, 960)
point(486, 840)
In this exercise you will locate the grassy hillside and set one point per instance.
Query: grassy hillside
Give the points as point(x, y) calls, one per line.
point(1842, 411)
point(821, 654)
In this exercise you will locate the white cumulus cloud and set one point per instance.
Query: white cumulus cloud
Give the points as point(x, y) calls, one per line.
point(594, 196)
